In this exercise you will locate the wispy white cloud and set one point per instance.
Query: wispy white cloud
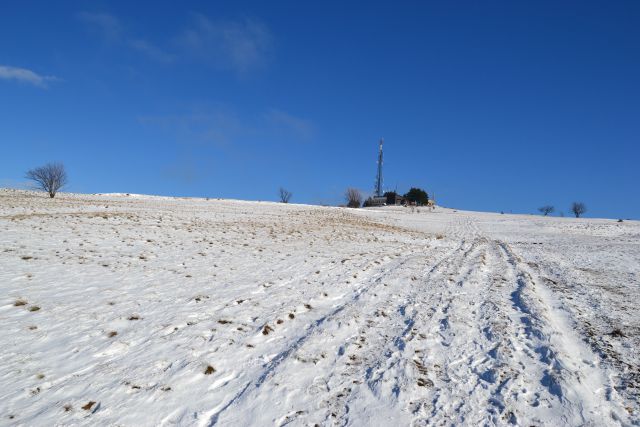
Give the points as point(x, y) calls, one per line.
point(228, 134)
point(239, 45)
point(104, 24)
point(222, 128)
point(25, 76)
point(216, 127)
point(282, 122)
point(111, 30)
point(151, 50)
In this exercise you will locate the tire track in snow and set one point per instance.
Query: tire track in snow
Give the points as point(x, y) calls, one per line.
point(490, 347)
point(374, 365)
point(385, 372)
point(454, 346)
point(566, 367)
point(444, 267)
point(270, 367)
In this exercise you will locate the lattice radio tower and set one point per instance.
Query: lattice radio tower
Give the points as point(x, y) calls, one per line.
point(378, 189)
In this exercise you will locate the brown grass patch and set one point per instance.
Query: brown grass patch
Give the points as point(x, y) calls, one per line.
point(89, 405)
point(210, 370)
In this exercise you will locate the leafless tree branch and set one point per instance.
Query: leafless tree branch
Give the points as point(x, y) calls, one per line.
point(353, 197)
point(50, 177)
point(285, 195)
point(546, 210)
point(578, 209)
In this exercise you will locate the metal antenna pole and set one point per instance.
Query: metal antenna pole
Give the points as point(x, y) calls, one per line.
point(378, 189)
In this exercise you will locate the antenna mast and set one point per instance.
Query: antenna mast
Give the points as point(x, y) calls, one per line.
point(378, 189)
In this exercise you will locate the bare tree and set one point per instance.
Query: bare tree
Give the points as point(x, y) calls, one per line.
point(578, 209)
point(285, 195)
point(353, 197)
point(546, 210)
point(50, 177)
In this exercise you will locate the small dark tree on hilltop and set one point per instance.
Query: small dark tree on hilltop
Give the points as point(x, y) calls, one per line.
point(353, 197)
point(546, 210)
point(50, 177)
point(578, 209)
point(391, 197)
point(285, 195)
point(418, 196)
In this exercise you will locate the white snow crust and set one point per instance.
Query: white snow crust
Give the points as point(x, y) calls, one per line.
point(134, 310)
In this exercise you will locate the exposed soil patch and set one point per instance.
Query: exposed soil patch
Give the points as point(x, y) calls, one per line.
point(266, 330)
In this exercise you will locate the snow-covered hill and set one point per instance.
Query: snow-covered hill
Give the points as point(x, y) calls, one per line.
point(135, 310)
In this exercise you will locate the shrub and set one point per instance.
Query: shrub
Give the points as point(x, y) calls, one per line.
point(353, 197)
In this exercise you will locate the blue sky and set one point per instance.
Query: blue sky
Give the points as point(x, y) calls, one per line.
point(491, 105)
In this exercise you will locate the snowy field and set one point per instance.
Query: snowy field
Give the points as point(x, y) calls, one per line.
point(138, 310)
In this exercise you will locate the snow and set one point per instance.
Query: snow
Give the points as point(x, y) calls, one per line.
point(184, 311)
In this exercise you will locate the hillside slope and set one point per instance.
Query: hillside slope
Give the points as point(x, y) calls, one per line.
point(139, 310)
